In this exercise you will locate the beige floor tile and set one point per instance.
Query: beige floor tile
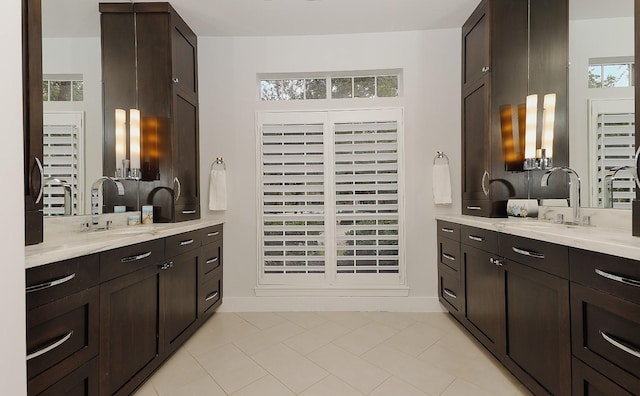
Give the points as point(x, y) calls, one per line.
point(416, 372)
point(366, 337)
point(204, 386)
point(441, 320)
point(331, 386)
point(262, 320)
point(289, 367)
point(257, 342)
point(461, 343)
point(181, 369)
point(415, 339)
point(395, 386)
point(350, 368)
point(461, 387)
point(395, 320)
point(231, 368)
point(265, 386)
point(497, 381)
point(352, 320)
point(317, 337)
point(146, 389)
point(308, 320)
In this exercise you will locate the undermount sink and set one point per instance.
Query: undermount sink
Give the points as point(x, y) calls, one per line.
point(544, 225)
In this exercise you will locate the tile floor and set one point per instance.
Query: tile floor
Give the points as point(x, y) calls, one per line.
point(332, 354)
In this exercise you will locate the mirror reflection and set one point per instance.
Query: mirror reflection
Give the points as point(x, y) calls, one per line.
point(601, 100)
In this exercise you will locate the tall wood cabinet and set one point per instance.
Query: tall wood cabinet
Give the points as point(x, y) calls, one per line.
point(32, 118)
point(156, 52)
point(499, 41)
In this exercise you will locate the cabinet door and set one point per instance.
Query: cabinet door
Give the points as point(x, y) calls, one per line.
point(475, 46)
point(84, 381)
point(130, 330)
point(484, 297)
point(184, 58)
point(32, 108)
point(179, 289)
point(538, 343)
point(185, 158)
point(476, 150)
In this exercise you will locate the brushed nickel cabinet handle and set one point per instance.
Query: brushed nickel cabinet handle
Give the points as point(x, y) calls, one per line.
point(448, 257)
point(485, 190)
point(41, 170)
point(175, 80)
point(449, 230)
point(46, 285)
point(527, 253)
point(449, 293)
point(485, 69)
point(177, 181)
point(474, 207)
point(135, 258)
point(211, 296)
point(476, 238)
point(51, 346)
point(187, 242)
point(212, 260)
point(619, 344)
point(189, 211)
point(618, 278)
point(216, 233)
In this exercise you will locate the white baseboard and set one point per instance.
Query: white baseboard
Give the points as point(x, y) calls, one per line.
point(288, 304)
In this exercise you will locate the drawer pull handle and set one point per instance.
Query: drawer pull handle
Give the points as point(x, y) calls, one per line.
point(527, 253)
point(216, 233)
point(448, 257)
point(46, 285)
point(135, 258)
point(449, 293)
point(51, 346)
point(485, 176)
point(618, 278)
point(212, 260)
point(189, 211)
point(187, 242)
point(474, 207)
point(476, 238)
point(211, 296)
point(618, 344)
point(449, 230)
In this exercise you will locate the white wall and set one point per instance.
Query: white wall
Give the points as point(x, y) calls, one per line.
point(12, 297)
point(228, 101)
point(592, 39)
point(80, 56)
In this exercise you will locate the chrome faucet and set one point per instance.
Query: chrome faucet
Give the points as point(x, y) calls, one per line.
point(66, 186)
point(574, 184)
point(95, 198)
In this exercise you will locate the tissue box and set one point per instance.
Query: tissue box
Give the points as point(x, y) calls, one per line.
point(522, 208)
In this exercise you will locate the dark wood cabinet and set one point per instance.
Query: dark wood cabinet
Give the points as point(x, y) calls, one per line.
point(450, 289)
point(210, 287)
point(83, 381)
point(32, 119)
point(150, 43)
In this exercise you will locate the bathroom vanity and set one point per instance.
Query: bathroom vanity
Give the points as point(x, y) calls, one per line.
point(105, 309)
point(558, 305)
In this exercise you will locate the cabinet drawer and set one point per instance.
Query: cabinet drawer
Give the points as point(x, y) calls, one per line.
point(114, 263)
point(178, 244)
point(616, 275)
point(210, 294)
point(449, 253)
point(450, 291)
point(62, 335)
point(474, 207)
point(211, 234)
point(211, 257)
point(449, 230)
point(606, 335)
point(50, 282)
point(544, 256)
point(587, 381)
point(189, 211)
point(83, 381)
point(477, 237)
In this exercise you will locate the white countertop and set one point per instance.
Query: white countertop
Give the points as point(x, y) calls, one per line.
point(613, 241)
point(65, 241)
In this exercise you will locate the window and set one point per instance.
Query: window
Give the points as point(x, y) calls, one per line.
point(62, 89)
point(612, 72)
point(328, 87)
point(331, 207)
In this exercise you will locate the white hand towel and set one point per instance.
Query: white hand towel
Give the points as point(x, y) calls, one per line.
point(441, 184)
point(218, 189)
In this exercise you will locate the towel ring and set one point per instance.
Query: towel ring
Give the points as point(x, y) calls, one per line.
point(440, 155)
point(219, 161)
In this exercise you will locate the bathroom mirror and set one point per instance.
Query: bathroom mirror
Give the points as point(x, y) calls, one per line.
point(601, 99)
point(72, 102)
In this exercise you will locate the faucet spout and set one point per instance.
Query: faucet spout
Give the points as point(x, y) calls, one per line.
point(574, 183)
point(66, 187)
point(95, 197)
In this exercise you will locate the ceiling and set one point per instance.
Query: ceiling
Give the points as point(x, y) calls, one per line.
point(79, 18)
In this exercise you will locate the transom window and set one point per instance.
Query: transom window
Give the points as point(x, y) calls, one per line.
point(613, 72)
point(62, 89)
